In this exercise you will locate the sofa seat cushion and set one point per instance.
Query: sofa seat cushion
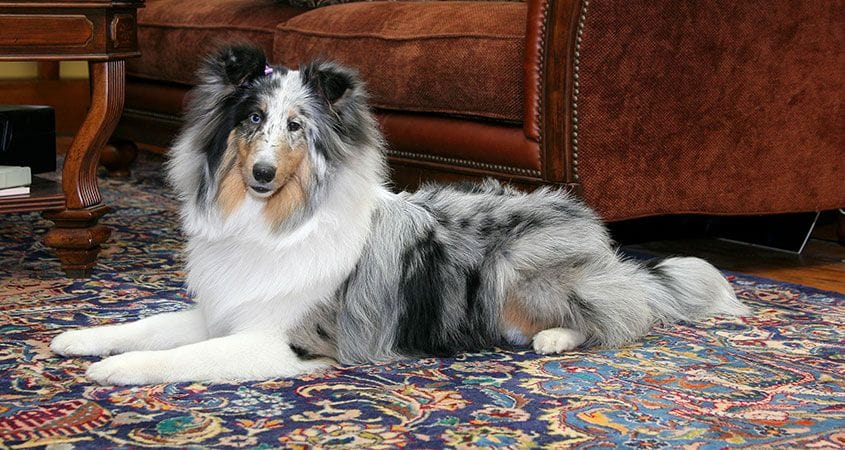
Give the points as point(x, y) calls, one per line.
point(174, 34)
point(455, 58)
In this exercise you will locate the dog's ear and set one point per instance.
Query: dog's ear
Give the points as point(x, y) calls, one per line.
point(332, 82)
point(233, 64)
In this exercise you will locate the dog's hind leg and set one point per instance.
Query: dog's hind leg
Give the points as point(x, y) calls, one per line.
point(238, 357)
point(612, 301)
point(157, 332)
point(539, 310)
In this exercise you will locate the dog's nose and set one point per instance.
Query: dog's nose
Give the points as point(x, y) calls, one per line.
point(263, 173)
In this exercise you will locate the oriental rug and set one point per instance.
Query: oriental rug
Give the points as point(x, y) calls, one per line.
point(776, 379)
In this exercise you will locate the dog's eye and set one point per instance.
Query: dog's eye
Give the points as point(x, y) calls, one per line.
point(294, 126)
point(255, 118)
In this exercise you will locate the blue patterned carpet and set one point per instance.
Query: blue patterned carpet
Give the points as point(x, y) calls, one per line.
point(773, 380)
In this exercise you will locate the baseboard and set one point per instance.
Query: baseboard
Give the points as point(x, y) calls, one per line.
point(153, 131)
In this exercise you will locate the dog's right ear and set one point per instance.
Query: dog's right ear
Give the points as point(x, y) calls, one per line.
point(233, 65)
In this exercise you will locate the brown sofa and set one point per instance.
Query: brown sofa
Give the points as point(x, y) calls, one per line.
point(645, 107)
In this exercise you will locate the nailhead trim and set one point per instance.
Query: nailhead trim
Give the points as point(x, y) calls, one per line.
point(465, 163)
point(539, 103)
point(576, 88)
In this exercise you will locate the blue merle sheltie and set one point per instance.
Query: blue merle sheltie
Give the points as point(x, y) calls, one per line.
point(299, 256)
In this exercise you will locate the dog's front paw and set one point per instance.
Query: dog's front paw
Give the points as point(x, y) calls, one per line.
point(557, 340)
point(88, 342)
point(128, 368)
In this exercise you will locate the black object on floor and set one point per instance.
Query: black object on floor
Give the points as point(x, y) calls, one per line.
point(28, 137)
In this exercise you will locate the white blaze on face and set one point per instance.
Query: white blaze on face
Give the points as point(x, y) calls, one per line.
point(282, 106)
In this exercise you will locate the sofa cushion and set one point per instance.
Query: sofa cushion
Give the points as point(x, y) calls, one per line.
point(457, 58)
point(174, 34)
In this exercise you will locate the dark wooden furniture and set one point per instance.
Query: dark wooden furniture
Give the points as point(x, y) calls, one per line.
point(105, 34)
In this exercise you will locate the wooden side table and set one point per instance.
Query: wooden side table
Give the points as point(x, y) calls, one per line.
point(105, 34)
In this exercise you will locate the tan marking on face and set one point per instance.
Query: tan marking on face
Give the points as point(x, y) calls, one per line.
point(232, 188)
point(232, 192)
point(246, 157)
point(516, 316)
point(293, 170)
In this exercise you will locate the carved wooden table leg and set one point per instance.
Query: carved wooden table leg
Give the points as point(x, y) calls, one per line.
point(76, 235)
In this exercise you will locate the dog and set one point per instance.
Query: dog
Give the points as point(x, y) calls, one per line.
point(299, 256)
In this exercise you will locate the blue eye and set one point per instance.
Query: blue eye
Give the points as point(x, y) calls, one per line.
point(255, 118)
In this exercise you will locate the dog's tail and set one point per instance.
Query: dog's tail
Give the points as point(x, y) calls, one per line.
point(620, 301)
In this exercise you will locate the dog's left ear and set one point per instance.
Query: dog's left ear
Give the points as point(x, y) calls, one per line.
point(331, 81)
point(233, 65)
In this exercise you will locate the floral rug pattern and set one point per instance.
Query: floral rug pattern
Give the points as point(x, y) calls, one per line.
point(776, 379)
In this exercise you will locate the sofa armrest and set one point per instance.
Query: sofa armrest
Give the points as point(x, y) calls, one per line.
point(550, 54)
point(673, 107)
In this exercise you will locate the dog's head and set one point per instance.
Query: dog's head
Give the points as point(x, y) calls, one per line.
point(274, 133)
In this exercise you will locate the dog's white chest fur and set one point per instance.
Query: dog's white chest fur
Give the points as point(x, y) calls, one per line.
point(246, 276)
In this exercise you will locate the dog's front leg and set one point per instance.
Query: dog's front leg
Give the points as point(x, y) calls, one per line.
point(239, 357)
point(157, 332)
